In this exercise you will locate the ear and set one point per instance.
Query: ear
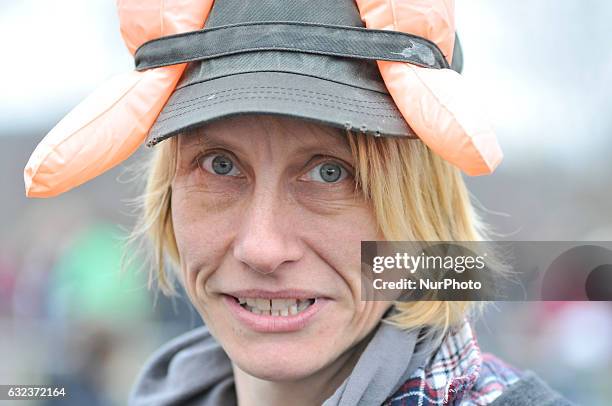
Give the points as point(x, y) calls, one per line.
point(110, 124)
point(436, 103)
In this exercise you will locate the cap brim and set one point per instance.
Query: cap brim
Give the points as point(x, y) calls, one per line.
point(279, 93)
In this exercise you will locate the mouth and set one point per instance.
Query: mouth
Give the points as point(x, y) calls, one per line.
point(267, 312)
point(275, 307)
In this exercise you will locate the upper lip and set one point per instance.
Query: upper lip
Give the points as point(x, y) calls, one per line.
point(276, 294)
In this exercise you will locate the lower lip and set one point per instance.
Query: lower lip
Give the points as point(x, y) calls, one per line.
point(275, 324)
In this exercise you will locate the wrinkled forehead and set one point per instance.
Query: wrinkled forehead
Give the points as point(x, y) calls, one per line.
point(251, 131)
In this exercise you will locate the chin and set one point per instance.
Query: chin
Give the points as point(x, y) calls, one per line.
point(279, 361)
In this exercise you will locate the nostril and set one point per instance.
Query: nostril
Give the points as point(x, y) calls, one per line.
point(262, 270)
point(263, 260)
point(264, 242)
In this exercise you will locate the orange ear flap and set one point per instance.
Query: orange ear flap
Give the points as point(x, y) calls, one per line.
point(436, 103)
point(109, 125)
point(99, 133)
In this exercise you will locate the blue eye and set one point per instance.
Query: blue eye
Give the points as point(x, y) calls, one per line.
point(328, 172)
point(219, 164)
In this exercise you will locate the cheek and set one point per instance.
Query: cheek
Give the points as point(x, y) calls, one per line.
point(202, 235)
point(337, 240)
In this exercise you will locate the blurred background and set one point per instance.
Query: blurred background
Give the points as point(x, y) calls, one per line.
point(67, 316)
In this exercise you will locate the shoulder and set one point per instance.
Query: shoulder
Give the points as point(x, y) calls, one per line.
point(459, 374)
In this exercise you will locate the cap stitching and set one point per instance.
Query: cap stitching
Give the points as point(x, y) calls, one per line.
point(276, 87)
point(281, 93)
point(199, 107)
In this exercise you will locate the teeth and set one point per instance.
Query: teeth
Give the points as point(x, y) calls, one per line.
point(263, 304)
point(275, 307)
point(280, 304)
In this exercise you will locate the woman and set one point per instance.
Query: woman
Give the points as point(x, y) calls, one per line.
point(269, 169)
point(262, 213)
point(277, 214)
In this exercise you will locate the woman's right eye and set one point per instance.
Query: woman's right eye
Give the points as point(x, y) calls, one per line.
point(219, 164)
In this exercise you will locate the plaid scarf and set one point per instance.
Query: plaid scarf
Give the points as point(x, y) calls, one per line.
point(457, 373)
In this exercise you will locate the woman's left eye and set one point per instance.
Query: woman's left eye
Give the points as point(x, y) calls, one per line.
point(219, 164)
point(328, 172)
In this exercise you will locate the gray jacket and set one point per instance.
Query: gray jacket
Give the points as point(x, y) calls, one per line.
point(193, 369)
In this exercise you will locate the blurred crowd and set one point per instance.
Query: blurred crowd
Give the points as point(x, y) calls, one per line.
point(69, 314)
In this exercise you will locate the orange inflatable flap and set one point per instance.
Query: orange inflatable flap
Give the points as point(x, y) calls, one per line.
point(436, 103)
point(110, 124)
point(100, 132)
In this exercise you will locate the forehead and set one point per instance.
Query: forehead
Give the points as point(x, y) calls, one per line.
point(253, 130)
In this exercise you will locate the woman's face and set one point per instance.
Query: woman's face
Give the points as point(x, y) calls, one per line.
point(268, 224)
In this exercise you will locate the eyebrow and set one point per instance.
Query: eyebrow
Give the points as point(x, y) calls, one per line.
point(331, 148)
point(331, 143)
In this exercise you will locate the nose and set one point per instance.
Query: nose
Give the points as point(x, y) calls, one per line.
point(266, 240)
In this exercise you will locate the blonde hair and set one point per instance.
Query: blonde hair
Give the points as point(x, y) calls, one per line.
point(415, 195)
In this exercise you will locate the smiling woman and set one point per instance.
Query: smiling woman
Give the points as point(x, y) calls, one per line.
point(285, 133)
point(275, 208)
point(371, 197)
point(261, 217)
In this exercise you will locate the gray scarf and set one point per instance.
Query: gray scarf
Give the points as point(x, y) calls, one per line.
point(193, 369)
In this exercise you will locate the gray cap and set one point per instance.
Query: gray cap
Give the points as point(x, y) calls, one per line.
point(326, 71)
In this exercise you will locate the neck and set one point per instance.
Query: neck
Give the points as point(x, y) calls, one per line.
point(308, 391)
